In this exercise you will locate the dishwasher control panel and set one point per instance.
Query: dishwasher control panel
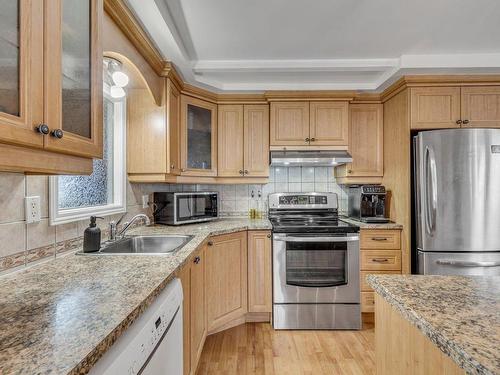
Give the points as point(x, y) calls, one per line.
point(133, 349)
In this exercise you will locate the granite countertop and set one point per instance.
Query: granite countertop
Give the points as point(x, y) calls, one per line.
point(61, 316)
point(389, 225)
point(460, 314)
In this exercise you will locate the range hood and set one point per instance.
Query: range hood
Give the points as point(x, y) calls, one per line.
point(309, 158)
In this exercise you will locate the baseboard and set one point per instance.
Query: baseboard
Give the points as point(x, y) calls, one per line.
point(246, 318)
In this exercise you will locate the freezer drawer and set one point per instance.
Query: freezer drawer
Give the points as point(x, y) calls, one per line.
point(466, 264)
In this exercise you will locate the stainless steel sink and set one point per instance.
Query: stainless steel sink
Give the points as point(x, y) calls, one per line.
point(159, 244)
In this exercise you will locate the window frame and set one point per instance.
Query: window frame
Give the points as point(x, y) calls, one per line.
point(59, 216)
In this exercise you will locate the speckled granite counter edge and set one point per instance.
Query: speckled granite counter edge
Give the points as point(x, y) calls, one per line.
point(448, 347)
point(382, 226)
point(92, 357)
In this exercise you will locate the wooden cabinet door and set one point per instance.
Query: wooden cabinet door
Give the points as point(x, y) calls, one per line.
point(329, 124)
point(256, 140)
point(21, 72)
point(185, 277)
point(226, 279)
point(198, 316)
point(289, 123)
point(230, 145)
point(198, 137)
point(481, 107)
point(146, 133)
point(173, 103)
point(435, 107)
point(73, 63)
point(260, 286)
point(366, 140)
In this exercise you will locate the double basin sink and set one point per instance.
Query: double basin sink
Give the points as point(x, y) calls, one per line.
point(152, 244)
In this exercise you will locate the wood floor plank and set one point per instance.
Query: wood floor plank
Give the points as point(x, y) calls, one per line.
point(257, 349)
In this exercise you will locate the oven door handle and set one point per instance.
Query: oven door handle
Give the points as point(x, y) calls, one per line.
point(316, 239)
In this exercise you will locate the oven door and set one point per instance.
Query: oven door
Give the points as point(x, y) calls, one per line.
point(316, 269)
point(195, 207)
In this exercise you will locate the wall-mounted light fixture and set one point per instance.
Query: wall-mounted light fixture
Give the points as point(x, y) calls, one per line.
point(115, 77)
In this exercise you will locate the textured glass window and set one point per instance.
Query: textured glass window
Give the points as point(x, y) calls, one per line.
point(96, 189)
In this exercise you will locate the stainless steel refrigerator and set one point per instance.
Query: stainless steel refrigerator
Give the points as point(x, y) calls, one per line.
point(457, 201)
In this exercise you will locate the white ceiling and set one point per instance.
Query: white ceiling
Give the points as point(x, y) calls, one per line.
point(256, 45)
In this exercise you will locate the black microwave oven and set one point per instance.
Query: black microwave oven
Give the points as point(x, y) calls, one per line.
point(185, 208)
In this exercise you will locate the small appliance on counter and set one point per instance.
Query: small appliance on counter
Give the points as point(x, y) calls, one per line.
point(185, 208)
point(367, 203)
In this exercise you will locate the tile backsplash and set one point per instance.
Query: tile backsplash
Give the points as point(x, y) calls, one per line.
point(236, 200)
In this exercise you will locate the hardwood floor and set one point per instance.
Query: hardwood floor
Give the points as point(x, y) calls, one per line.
point(255, 348)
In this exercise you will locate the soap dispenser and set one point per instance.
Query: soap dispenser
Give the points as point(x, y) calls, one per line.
point(92, 236)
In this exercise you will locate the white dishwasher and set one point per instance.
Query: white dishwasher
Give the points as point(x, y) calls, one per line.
point(152, 345)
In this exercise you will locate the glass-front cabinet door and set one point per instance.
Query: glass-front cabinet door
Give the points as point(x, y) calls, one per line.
point(73, 60)
point(21, 72)
point(198, 137)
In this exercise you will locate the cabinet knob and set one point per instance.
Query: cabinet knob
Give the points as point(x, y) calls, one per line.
point(183, 170)
point(349, 171)
point(197, 260)
point(210, 243)
point(269, 236)
point(313, 139)
point(57, 133)
point(172, 166)
point(245, 171)
point(240, 172)
point(42, 129)
point(459, 122)
point(307, 139)
point(465, 122)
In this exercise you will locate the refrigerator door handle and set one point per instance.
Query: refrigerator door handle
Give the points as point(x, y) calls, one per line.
point(463, 263)
point(431, 190)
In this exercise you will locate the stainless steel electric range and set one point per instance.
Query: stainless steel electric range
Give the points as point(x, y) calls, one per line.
point(315, 263)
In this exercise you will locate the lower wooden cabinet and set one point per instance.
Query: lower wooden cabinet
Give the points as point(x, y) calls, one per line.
point(259, 272)
point(185, 277)
point(226, 279)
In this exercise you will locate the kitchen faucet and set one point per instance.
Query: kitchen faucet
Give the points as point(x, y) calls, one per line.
point(114, 234)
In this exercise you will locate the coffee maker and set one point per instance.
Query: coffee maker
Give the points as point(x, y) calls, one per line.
point(367, 203)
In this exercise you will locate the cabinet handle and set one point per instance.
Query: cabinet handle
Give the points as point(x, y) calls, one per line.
point(57, 133)
point(380, 260)
point(459, 122)
point(210, 243)
point(313, 139)
point(379, 238)
point(245, 171)
point(269, 236)
point(172, 166)
point(197, 260)
point(240, 172)
point(349, 171)
point(465, 122)
point(183, 170)
point(42, 129)
point(308, 140)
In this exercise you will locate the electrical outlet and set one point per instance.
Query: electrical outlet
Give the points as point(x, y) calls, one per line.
point(32, 209)
point(145, 201)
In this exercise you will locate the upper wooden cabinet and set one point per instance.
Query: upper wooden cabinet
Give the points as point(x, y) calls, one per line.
point(198, 137)
point(481, 107)
point(366, 146)
point(303, 125)
point(289, 123)
point(243, 147)
point(329, 123)
point(51, 74)
point(455, 107)
point(226, 279)
point(435, 107)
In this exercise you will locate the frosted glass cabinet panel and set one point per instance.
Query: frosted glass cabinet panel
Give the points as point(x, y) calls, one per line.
point(198, 137)
point(21, 72)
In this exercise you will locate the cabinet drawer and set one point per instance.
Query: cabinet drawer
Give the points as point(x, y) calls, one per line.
point(381, 260)
point(368, 302)
point(380, 239)
point(364, 284)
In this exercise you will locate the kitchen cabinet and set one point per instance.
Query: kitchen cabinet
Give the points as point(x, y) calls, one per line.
point(380, 252)
point(185, 278)
point(226, 279)
point(51, 96)
point(366, 146)
point(198, 137)
point(260, 272)
point(455, 107)
point(198, 312)
point(153, 132)
point(309, 125)
point(243, 140)
point(480, 106)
